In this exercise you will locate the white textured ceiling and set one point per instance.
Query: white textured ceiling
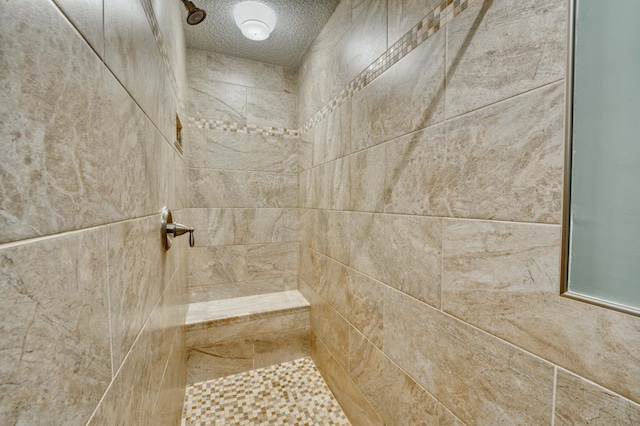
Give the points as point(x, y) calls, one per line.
point(299, 22)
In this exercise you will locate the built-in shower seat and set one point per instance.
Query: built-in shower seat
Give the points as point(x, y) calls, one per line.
point(230, 336)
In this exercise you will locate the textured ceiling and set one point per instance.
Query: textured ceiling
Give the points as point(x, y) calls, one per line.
point(299, 22)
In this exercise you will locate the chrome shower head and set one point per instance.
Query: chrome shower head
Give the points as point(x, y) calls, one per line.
point(195, 15)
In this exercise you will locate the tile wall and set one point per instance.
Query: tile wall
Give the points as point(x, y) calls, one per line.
point(92, 305)
point(243, 181)
point(430, 195)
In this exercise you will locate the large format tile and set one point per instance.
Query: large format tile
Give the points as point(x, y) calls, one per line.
point(504, 278)
point(226, 188)
point(231, 290)
point(396, 397)
point(404, 14)
point(401, 251)
point(217, 149)
point(271, 108)
point(581, 402)
point(329, 185)
point(365, 297)
point(497, 49)
point(367, 180)
point(57, 174)
point(326, 277)
point(497, 165)
point(282, 346)
point(482, 379)
point(87, 18)
point(326, 231)
point(227, 264)
point(169, 404)
point(217, 101)
point(244, 226)
point(332, 136)
point(407, 97)
point(54, 341)
point(219, 360)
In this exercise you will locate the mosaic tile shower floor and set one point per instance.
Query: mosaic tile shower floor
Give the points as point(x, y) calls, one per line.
point(291, 393)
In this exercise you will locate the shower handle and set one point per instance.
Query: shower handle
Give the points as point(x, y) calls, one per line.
point(169, 230)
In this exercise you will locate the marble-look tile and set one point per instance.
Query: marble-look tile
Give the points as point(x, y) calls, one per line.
point(131, 53)
point(226, 188)
point(332, 136)
point(367, 180)
point(225, 264)
point(404, 14)
point(275, 348)
point(493, 165)
point(219, 360)
point(244, 226)
point(581, 402)
point(329, 232)
point(136, 279)
point(271, 108)
point(395, 396)
point(330, 185)
point(401, 251)
point(201, 314)
point(128, 400)
point(161, 171)
point(365, 297)
point(86, 16)
point(218, 149)
point(292, 153)
point(54, 340)
point(496, 50)
point(446, 418)
point(366, 39)
point(401, 100)
point(56, 173)
point(351, 399)
point(305, 148)
point(240, 289)
point(217, 101)
point(168, 406)
point(227, 69)
point(326, 277)
point(479, 377)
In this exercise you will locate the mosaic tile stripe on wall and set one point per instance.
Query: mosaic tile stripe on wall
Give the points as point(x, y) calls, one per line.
point(427, 27)
point(235, 127)
point(157, 35)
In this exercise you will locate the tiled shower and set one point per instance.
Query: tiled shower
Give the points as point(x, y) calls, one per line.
point(406, 179)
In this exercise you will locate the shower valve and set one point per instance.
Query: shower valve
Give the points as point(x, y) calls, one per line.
point(169, 230)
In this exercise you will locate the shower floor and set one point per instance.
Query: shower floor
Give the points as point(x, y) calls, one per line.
point(291, 393)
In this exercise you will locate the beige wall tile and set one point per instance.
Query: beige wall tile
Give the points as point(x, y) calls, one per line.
point(404, 14)
point(330, 185)
point(350, 398)
point(239, 330)
point(401, 100)
point(397, 398)
point(367, 180)
point(87, 18)
point(217, 149)
point(365, 298)
point(507, 168)
point(168, 406)
point(217, 101)
point(225, 188)
point(219, 360)
point(326, 277)
point(55, 328)
point(480, 378)
point(271, 108)
point(283, 346)
point(504, 279)
point(225, 264)
point(581, 402)
point(496, 50)
point(240, 289)
point(401, 251)
point(332, 138)
point(327, 232)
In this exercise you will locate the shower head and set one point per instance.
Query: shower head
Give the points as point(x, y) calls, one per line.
point(195, 15)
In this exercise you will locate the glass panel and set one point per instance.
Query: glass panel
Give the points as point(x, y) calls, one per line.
point(604, 253)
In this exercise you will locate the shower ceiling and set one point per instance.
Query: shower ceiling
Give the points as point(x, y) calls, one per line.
point(299, 22)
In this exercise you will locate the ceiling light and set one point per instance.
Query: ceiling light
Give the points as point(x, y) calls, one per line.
point(256, 20)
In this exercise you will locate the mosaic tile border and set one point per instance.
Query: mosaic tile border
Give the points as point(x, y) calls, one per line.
point(423, 30)
point(235, 127)
point(157, 35)
point(291, 393)
point(427, 27)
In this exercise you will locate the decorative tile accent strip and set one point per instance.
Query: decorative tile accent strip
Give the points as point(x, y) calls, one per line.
point(155, 29)
point(431, 24)
point(234, 127)
point(292, 393)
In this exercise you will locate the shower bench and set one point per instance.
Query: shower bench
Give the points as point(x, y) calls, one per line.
point(230, 336)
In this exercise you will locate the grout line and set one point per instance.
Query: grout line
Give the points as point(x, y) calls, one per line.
point(553, 400)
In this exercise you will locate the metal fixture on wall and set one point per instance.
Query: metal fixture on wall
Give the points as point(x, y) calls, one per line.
point(169, 230)
point(196, 15)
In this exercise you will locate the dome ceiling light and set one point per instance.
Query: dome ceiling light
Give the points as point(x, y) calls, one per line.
point(256, 20)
